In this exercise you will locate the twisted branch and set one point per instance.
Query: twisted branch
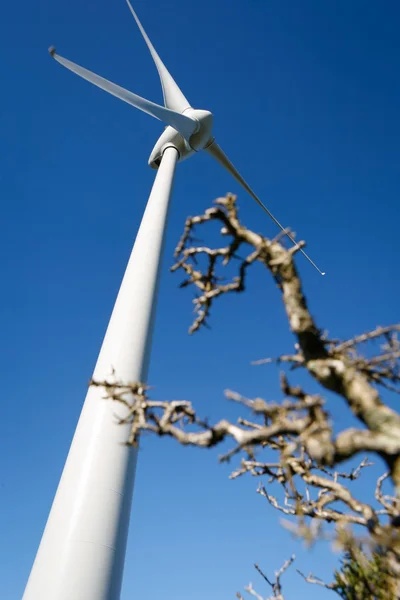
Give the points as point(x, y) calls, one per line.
point(297, 431)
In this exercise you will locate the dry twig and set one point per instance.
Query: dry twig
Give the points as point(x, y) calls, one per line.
point(296, 432)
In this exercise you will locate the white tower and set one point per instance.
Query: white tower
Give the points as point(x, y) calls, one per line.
point(82, 551)
point(81, 555)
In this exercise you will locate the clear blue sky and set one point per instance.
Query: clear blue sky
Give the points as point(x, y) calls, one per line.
point(306, 99)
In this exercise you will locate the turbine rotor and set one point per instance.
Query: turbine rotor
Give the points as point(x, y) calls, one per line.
point(189, 130)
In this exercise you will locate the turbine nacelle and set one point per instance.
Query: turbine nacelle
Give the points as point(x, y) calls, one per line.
point(169, 138)
point(199, 140)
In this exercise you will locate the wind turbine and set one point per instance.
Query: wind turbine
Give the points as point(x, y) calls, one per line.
point(82, 551)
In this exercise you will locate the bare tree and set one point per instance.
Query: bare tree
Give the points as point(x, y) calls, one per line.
point(291, 443)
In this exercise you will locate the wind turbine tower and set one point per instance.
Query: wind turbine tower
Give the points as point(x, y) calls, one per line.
point(82, 551)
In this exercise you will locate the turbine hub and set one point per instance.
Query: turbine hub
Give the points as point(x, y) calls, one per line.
point(202, 137)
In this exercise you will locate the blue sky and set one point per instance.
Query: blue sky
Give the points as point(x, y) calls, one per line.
point(305, 97)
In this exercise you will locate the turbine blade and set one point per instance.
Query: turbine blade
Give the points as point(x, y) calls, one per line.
point(173, 97)
point(216, 152)
point(184, 125)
